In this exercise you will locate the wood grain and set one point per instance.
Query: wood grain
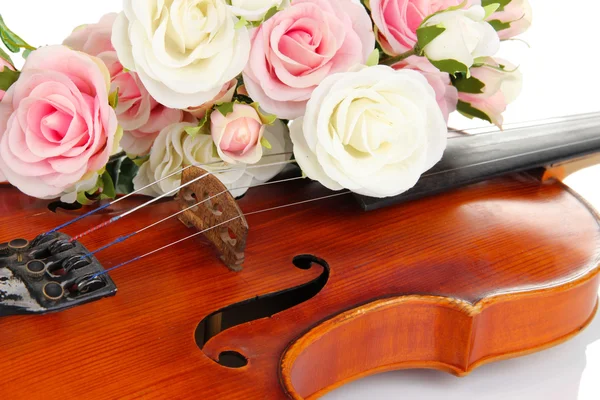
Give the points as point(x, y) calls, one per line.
point(511, 248)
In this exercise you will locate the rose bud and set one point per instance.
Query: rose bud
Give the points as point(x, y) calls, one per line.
point(238, 135)
point(452, 40)
point(489, 90)
point(512, 19)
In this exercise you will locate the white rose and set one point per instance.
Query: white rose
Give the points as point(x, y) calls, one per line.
point(255, 10)
point(373, 131)
point(70, 196)
point(466, 36)
point(183, 51)
point(174, 149)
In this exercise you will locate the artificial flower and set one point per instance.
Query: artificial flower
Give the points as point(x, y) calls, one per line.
point(238, 134)
point(174, 149)
point(183, 51)
point(373, 131)
point(224, 96)
point(462, 36)
point(446, 95)
point(489, 90)
point(512, 19)
point(397, 20)
point(256, 10)
point(298, 47)
point(56, 124)
point(140, 116)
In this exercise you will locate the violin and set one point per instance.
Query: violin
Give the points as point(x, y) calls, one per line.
point(294, 290)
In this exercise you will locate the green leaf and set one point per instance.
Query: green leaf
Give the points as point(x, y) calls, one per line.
point(11, 40)
point(201, 128)
point(113, 98)
point(127, 172)
point(501, 3)
point(7, 78)
point(373, 58)
point(5, 56)
point(108, 187)
point(265, 143)
point(272, 11)
point(266, 119)
point(452, 67)
point(26, 53)
point(427, 34)
point(490, 9)
point(225, 108)
point(241, 23)
point(471, 112)
point(468, 85)
point(499, 25)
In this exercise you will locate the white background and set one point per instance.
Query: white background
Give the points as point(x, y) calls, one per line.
point(561, 78)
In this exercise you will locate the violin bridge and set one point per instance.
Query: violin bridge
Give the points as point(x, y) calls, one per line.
point(218, 215)
point(49, 274)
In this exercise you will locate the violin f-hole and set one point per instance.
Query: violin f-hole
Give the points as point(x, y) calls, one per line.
point(260, 307)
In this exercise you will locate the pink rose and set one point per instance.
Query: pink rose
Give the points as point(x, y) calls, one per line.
point(513, 19)
point(56, 124)
point(501, 88)
point(300, 46)
point(4, 64)
point(445, 94)
point(141, 117)
point(225, 96)
point(397, 20)
point(238, 135)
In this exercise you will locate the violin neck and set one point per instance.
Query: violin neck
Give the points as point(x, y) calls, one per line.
point(474, 158)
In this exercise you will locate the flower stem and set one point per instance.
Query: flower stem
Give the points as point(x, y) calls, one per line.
point(398, 58)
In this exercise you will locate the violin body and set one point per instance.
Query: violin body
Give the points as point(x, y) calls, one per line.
point(328, 294)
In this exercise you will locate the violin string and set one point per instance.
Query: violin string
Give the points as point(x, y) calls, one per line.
point(167, 194)
point(132, 234)
point(105, 206)
point(137, 258)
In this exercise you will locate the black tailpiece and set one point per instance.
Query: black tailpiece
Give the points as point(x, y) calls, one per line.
point(49, 274)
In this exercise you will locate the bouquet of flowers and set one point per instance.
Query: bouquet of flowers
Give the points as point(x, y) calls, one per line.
point(359, 93)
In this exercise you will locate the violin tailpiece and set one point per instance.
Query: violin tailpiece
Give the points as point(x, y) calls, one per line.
point(49, 274)
point(217, 206)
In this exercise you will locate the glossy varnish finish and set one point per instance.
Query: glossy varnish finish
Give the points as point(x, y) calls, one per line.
point(493, 270)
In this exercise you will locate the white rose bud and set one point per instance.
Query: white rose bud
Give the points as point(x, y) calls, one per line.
point(374, 131)
point(256, 10)
point(453, 39)
point(183, 51)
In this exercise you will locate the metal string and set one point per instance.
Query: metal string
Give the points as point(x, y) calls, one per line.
point(94, 211)
point(130, 235)
point(214, 227)
point(169, 193)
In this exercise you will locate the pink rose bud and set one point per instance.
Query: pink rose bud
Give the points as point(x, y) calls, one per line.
point(501, 88)
point(397, 20)
point(446, 94)
point(4, 64)
point(238, 135)
point(224, 96)
point(56, 123)
point(141, 117)
point(513, 19)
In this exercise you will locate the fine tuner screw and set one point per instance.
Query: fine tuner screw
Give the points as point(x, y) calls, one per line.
point(18, 246)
